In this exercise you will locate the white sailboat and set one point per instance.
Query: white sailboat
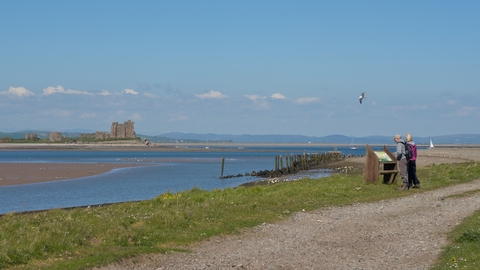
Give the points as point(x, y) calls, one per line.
point(352, 147)
point(431, 144)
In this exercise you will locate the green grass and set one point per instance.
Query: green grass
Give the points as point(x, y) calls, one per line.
point(464, 250)
point(85, 237)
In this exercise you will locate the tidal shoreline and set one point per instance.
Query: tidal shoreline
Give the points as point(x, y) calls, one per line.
point(30, 173)
point(20, 173)
point(183, 147)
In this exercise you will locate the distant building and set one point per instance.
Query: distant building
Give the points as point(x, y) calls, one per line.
point(55, 136)
point(30, 136)
point(125, 130)
point(101, 135)
point(87, 136)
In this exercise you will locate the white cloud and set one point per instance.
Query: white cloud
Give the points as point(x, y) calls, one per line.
point(59, 89)
point(277, 96)
point(130, 91)
point(466, 110)
point(136, 117)
point(52, 90)
point(307, 100)
point(452, 102)
point(211, 94)
point(259, 102)
point(105, 93)
point(254, 97)
point(17, 91)
point(149, 95)
point(396, 109)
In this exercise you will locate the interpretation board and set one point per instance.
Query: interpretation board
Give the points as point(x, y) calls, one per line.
point(382, 156)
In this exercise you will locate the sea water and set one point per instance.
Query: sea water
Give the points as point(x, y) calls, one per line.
point(161, 172)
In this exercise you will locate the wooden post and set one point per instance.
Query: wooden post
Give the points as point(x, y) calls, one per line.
point(371, 166)
point(304, 162)
point(286, 163)
point(223, 165)
point(292, 164)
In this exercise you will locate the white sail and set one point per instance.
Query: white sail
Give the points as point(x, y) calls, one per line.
point(352, 147)
point(431, 144)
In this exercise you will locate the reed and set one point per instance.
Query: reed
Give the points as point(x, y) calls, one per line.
point(85, 237)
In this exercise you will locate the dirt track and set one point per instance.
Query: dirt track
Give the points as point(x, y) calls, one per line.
point(403, 233)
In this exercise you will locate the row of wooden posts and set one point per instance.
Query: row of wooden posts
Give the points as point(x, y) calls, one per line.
point(297, 162)
point(306, 160)
point(374, 166)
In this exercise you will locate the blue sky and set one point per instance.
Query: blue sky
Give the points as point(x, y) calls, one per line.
point(241, 67)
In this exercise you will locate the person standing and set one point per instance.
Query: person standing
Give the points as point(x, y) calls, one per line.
point(412, 164)
point(402, 161)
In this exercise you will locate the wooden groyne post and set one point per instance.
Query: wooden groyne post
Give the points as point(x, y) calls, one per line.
point(303, 161)
point(292, 163)
point(223, 166)
point(286, 163)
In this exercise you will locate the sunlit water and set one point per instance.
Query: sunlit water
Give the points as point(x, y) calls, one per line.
point(165, 171)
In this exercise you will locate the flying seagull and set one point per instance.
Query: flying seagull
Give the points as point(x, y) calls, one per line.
point(361, 97)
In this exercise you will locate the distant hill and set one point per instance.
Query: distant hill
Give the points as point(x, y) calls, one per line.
point(340, 139)
point(270, 138)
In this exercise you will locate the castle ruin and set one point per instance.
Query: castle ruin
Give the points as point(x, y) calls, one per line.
point(125, 130)
point(101, 135)
point(31, 136)
point(55, 136)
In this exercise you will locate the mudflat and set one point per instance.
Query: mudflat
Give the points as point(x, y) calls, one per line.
point(29, 173)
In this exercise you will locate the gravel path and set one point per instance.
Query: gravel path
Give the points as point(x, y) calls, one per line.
point(402, 233)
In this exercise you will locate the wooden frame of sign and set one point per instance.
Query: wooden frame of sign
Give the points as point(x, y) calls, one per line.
point(380, 163)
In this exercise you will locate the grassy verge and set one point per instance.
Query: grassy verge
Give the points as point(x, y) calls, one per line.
point(81, 238)
point(464, 250)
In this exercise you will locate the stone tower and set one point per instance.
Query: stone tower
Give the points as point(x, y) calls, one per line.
point(125, 130)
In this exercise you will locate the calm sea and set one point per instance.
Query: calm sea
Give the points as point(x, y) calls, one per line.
point(166, 171)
